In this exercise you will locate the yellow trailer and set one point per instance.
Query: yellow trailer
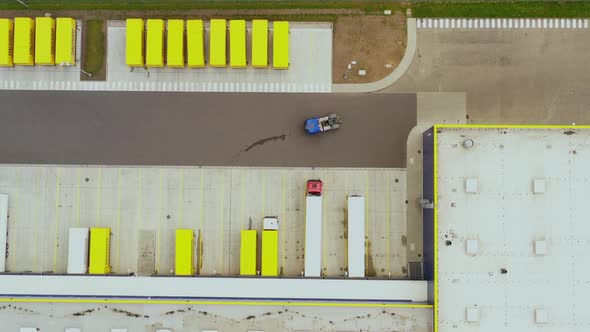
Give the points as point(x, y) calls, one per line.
point(195, 43)
point(45, 41)
point(24, 41)
point(175, 44)
point(248, 253)
point(100, 252)
point(65, 45)
point(134, 42)
point(217, 41)
point(184, 263)
point(237, 44)
point(260, 43)
point(280, 45)
point(270, 253)
point(155, 43)
point(6, 42)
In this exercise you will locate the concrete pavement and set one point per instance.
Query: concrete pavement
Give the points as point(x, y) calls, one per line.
point(509, 75)
point(205, 129)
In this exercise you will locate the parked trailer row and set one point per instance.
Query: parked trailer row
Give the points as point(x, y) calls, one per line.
point(152, 41)
point(42, 41)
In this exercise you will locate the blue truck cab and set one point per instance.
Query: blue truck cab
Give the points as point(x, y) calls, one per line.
point(322, 124)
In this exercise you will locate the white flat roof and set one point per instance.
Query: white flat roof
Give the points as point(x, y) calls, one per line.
point(513, 229)
point(279, 289)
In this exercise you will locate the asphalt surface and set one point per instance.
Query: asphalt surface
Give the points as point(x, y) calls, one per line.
point(203, 129)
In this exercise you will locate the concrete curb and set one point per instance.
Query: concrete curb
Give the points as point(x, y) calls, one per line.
point(391, 78)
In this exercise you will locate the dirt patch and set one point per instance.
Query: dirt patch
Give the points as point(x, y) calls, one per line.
point(94, 51)
point(376, 43)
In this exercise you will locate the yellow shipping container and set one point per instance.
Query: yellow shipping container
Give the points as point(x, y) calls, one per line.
point(155, 43)
point(134, 42)
point(248, 253)
point(217, 41)
point(195, 43)
point(65, 45)
point(270, 253)
point(6, 42)
point(260, 43)
point(175, 46)
point(24, 41)
point(237, 44)
point(280, 45)
point(184, 253)
point(100, 252)
point(45, 41)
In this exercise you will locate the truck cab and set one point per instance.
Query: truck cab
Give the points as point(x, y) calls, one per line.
point(314, 187)
point(322, 124)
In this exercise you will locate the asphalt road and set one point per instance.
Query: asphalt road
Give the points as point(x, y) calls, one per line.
point(204, 129)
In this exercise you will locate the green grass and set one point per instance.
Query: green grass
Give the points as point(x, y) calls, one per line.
point(94, 54)
point(502, 9)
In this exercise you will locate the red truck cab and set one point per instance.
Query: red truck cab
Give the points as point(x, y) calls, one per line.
point(314, 187)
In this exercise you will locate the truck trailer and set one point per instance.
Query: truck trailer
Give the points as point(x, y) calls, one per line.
point(313, 229)
point(78, 251)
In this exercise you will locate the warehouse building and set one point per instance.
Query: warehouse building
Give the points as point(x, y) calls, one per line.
point(65, 48)
point(195, 43)
point(24, 41)
point(45, 41)
point(175, 44)
point(506, 233)
point(6, 42)
point(134, 42)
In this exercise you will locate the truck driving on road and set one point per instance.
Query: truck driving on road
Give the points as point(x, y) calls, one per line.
point(322, 124)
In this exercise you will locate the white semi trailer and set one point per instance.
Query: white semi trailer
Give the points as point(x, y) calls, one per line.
point(313, 229)
point(356, 236)
point(78, 251)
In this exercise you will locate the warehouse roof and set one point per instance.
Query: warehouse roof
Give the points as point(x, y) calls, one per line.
point(512, 231)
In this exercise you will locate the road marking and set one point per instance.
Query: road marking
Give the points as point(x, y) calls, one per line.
point(181, 193)
point(221, 245)
point(160, 217)
point(14, 219)
point(324, 271)
point(99, 213)
point(388, 223)
point(118, 219)
point(56, 233)
point(40, 201)
point(367, 221)
point(242, 303)
point(242, 200)
point(284, 222)
point(78, 198)
point(487, 23)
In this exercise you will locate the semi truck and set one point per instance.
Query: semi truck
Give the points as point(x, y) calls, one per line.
point(270, 247)
point(322, 123)
point(313, 229)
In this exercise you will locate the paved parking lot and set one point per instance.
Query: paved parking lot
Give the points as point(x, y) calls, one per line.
point(520, 76)
point(45, 201)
